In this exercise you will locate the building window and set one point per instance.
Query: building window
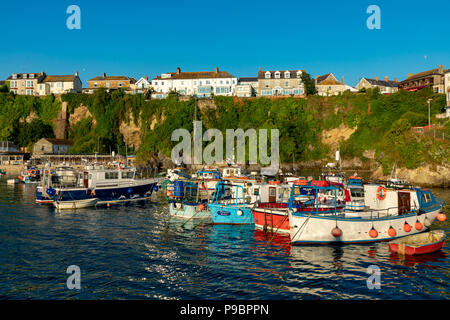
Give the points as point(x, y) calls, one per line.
point(156, 83)
point(286, 84)
point(120, 84)
point(287, 75)
point(277, 75)
point(267, 84)
point(267, 75)
point(107, 84)
point(95, 85)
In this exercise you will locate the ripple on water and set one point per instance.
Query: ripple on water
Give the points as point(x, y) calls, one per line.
point(137, 252)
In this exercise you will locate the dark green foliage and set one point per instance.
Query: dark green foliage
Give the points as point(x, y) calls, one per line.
point(310, 86)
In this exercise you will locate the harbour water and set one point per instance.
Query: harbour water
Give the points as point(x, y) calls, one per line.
point(138, 252)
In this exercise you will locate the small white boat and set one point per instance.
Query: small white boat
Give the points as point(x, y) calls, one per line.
point(12, 181)
point(75, 204)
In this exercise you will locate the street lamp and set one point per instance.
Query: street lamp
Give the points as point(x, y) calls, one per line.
point(429, 100)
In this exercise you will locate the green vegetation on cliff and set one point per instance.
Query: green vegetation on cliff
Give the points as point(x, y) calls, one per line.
point(382, 123)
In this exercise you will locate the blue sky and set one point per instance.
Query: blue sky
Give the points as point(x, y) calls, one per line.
point(138, 38)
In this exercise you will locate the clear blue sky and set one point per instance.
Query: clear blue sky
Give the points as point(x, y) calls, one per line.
point(138, 38)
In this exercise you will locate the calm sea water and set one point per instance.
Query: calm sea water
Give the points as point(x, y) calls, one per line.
point(138, 252)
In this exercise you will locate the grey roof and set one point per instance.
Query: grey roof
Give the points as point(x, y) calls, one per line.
point(382, 83)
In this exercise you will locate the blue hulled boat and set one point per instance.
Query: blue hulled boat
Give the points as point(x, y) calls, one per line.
point(234, 211)
point(107, 185)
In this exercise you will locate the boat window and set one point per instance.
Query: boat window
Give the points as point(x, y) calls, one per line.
point(127, 175)
point(426, 198)
point(357, 192)
point(111, 175)
point(256, 192)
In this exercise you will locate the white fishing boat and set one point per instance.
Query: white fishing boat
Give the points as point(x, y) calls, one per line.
point(75, 204)
point(393, 213)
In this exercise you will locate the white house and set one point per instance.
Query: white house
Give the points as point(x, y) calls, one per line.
point(200, 84)
point(60, 84)
point(142, 85)
point(247, 87)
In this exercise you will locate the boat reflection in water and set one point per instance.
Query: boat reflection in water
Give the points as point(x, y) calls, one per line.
point(429, 260)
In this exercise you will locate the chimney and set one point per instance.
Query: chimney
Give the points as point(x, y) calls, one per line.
point(441, 68)
point(410, 75)
point(395, 80)
point(376, 78)
point(76, 73)
point(386, 78)
point(146, 78)
point(104, 75)
point(343, 81)
point(178, 70)
point(259, 69)
point(216, 70)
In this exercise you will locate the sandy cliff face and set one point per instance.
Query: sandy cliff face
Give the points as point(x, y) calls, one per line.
point(131, 132)
point(427, 175)
point(79, 113)
point(333, 136)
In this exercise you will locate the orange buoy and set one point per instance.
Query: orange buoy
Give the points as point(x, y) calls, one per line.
point(373, 233)
point(336, 232)
point(201, 207)
point(169, 193)
point(441, 217)
point(406, 227)
point(418, 225)
point(392, 232)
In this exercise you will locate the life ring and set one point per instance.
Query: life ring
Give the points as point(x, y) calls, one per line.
point(33, 172)
point(382, 195)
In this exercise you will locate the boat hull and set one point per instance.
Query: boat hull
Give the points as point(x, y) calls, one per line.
point(189, 211)
point(274, 216)
point(231, 214)
point(142, 191)
point(317, 229)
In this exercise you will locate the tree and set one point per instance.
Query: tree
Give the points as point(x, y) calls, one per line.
point(310, 86)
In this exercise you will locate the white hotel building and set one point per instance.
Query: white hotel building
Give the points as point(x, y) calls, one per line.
point(200, 84)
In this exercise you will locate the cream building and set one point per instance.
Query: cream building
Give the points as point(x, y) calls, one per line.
point(25, 83)
point(386, 86)
point(280, 83)
point(328, 85)
point(62, 84)
point(200, 84)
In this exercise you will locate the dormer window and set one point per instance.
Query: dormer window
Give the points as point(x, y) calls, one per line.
point(267, 75)
point(299, 74)
point(24, 75)
point(14, 76)
point(277, 75)
point(31, 76)
point(287, 74)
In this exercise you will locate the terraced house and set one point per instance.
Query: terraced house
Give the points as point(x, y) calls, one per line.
point(41, 84)
point(26, 83)
point(110, 83)
point(432, 78)
point(202, 84)
point(386, 86)
point(280, 83)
